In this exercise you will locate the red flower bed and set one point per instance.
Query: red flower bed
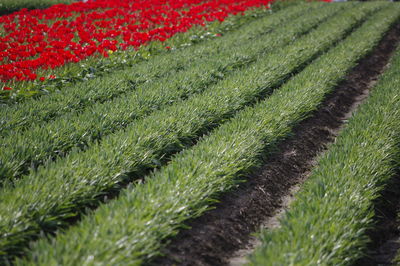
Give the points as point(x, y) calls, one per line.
point(69, 33)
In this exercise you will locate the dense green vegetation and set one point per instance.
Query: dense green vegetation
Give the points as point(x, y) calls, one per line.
point(44, 141)
point(97, 66)
point(118, 153)
point(144, 214)
point(50, 196)
point(76, 97)
point(80, 96)
point(328, 220)
point(397, 258)
point(9, 6)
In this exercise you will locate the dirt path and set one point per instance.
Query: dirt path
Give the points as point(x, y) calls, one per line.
point(222, 236)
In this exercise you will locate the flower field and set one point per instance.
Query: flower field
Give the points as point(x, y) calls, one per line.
point(131, 129)
point(50, 38)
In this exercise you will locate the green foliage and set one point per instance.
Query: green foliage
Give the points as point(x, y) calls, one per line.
point(194, 74)
point(327, 222)
point(132, 228)
point(396, 260)
point(9, 6)
point(98, 66)
point(102, 89)
point(46, 199)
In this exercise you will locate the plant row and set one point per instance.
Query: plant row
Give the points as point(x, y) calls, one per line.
point(95, 66)
point(80, 96)
point(47, 198)
point(396, 260)
point(9, 6)
point(327, 222)
point(132, 228)
point(46, 141)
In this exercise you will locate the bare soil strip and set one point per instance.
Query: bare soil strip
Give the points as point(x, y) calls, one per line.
point(224, 232)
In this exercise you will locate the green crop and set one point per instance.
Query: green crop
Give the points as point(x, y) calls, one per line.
point(47, 198)
point(9, 6)
point(327, 222)
point(47, 141)
point(132, 228)
point(136, 70)
point(96, 66)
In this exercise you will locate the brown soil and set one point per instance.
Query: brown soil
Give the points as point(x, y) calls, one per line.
point(214, 237)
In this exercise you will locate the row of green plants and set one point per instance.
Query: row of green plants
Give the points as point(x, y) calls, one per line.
point(97, 66)
point(50, 197)
point(9, 6)
point(132, 228)
point(44, 141)
point(328, 221)
point(102, 89)
point(397, 258)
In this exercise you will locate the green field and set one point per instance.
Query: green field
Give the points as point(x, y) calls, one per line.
point(335, 206)
point(9, 6)
point(107, 171)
